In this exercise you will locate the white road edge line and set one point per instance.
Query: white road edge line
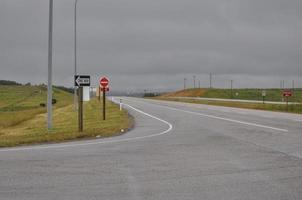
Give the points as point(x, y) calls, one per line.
point(97, 142)
point(222, 118)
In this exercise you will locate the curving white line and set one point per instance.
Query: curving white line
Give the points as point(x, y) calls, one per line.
point(99, 142)
point(232, 120)
point(216, 117)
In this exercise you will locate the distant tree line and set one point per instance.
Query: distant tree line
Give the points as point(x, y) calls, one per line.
point(42, 86)
point(7, 82)
point(151, 94)
point(66, 89)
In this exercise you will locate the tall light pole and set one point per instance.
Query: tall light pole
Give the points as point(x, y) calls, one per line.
point(194, 77)
point(232, 89)
point(49, 84)
point(185, 83)
point(75, 53)
point(210, 80)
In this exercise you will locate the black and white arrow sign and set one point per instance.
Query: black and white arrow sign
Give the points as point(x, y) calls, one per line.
point(81, 80)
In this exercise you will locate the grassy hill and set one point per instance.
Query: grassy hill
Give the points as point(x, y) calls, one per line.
point(20, 103)
point(245, 94)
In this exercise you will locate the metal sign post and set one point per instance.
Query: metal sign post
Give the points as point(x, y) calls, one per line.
point(287, 93)
point(80, 81)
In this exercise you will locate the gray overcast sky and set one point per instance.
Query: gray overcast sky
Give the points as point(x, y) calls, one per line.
point(154, 44)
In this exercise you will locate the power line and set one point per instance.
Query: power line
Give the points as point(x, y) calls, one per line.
point(194, 77)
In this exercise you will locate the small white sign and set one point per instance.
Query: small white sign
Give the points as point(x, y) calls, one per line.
point(86, 93)
point(263, 93)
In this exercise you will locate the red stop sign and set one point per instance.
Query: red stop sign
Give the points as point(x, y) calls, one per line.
point(287, 93)
point(104, 82)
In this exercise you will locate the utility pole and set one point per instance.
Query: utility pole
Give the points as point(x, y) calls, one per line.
point(75, 54)
point(199, 84)
point(185, 80)
point(49, 84)
point(210, 80)
point(293, 88)
point(194, 77)
point(280, 85)
point(232, 89)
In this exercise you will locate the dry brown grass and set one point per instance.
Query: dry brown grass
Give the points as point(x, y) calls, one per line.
point(186, 93)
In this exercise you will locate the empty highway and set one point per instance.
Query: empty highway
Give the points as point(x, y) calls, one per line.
point(176, 151)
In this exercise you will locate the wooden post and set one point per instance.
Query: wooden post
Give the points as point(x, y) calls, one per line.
point(104, 103)
point(80, 112)
point(287, 103)
point(99, 93)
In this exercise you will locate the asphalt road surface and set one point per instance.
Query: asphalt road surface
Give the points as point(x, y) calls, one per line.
point(176, 151)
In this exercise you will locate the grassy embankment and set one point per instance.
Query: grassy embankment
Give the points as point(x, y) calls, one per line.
point(245, 94)
point(23, 120)
point(21, 103)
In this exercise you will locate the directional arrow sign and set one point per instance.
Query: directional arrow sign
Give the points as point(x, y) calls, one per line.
point(81, 80)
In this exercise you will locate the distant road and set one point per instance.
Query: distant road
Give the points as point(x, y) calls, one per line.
point(177, 151)
point(235, 100)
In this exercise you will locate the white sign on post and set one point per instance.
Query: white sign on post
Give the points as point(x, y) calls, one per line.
point(263, 93)
point(86, 93)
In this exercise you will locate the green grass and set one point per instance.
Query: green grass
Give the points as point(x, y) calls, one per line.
point(23, 120)
point(21, 103)
point(258, 106)
point(244, 94)
point(16, 98)
point(251, 94)
point(65, 125)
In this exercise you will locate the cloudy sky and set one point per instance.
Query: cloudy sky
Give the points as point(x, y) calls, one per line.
point(155, 44)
